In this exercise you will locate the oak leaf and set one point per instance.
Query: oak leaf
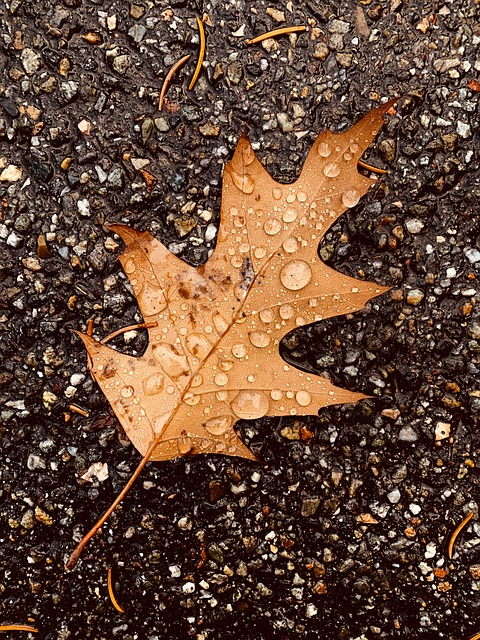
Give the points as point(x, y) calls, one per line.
point(213, 352)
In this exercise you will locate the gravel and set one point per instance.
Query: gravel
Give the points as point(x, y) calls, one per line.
point(341, 531)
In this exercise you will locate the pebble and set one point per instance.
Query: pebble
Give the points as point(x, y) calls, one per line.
point(285, 125)
point(85, 127)
point(472, 255)
point(35, 462)
point(414, 225)
point(442, 431)
point(161, 124)
point(407, 434)
point(394, 496)
point(83, 207)
point(463, 129)
point(122, 64)
point(309, 506)
point(430, 550)
point(321, 51)
point(209, 130)
point(49, 400)
point(415, 296)
point(11, 173)
point(276, 14)
point(344, 59)
point(31, 61)
point(14, 240)
point(137, 11)
point(137, 33)
point(445, 64)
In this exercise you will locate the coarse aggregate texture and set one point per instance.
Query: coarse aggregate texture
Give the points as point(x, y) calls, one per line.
point(342, 532)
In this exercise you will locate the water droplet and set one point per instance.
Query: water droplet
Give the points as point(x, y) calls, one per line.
point(243, 182)
point(331, 170)
point(301, 196)
point(272, 226)
point(295, 275)
point(303, 398)
point(220, 447)
point(109, 370)
point(244, 247)
point(286, 311)
point(239, 350)
point(153, 384)
point(239, 221)
point(217, 426)
point(221, 325)
point(277, 193)
point(170, 389)
point(354, 147)
point(313, 302)
point(300, 321)
point(291, 198)
point(248, 154)
point(259, 252)
point(191, 399)
point(347, 157)
point(289, 215)
point(290, 244)
point(184, 444)
point(221, 379)
point(231, 251)
point(224, 364)
point(222, 396)
point(151, 300)
point(172, 361)
point(267, 315)
point(259, 339)
point(251, 378)
point(250, 405)
point(198, 345)
point(208, 329)
point(350, 198)
point(236, 262)
point(289, 394)
point(127, 392)
point(324, 149)
point(276, 394)
point(197, 380)
point(129, 266)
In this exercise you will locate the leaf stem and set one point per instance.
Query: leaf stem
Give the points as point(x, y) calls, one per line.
point(168, 77)
point(75, 555)
point(201, 54)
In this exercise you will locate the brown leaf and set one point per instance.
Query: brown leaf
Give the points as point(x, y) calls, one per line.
point(213, 356)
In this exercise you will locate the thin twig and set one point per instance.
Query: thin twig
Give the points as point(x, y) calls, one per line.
point(457, 531)
point(18, 627)
point(132, 327)
point(275, 32)
point(76, 409)
point(476, 637)
point(201, 54)
point(168, 77)
point(90, 327)
point(364, 165)
point(110, 592)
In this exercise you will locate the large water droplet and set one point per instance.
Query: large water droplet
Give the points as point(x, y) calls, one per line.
point(239, 221)
point(259, 339)
point(221, 379)
point(171, 360)
point(289, 215)
point(184, 444)
point(250, 405)
point(331, 170)
point(244, 247)
point(301, 196)
point(276, 394)
point(127, 391)
point(259, 252)
point(197, 380)
point(267, 315)
point(350, 198)
point(290, 244)
point(151, 300)
point(225, 364)
point(191, 399)
point(244, 182)
point(129, 266)
point(286, 311)
point(198, 345)
point(218, 426)
point(272, 226)
point(236, 262)
point(295, 275)
point(221, 325)
point(303, 398)
point(153, 384)
point(354, 147)
point(324, 149)
point(248, 154)
point(239, 350)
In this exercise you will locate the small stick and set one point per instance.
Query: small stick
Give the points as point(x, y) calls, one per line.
point(76, 409)
point(455, 534)
point(476, 637)
point(18, 627)
point(132, 327)
point(364, 165)
point(110, 592)
point(275, 32)
point(168, 77)
point(74, 556)
point(201, 54)
point(90, 327)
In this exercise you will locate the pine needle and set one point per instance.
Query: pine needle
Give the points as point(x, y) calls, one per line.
point(18, 627)
point(168, 77)
point(274, 33)
point(369, 167)
point(201, 54)
point(132, 327)
point(456, 533)
point(110, 592)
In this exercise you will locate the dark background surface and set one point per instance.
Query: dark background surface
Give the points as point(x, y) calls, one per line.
point(215, 547)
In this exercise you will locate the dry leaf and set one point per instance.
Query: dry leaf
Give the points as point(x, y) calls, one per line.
point(213, 355)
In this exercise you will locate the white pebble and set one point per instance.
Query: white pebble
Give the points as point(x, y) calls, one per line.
point(430, 550)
